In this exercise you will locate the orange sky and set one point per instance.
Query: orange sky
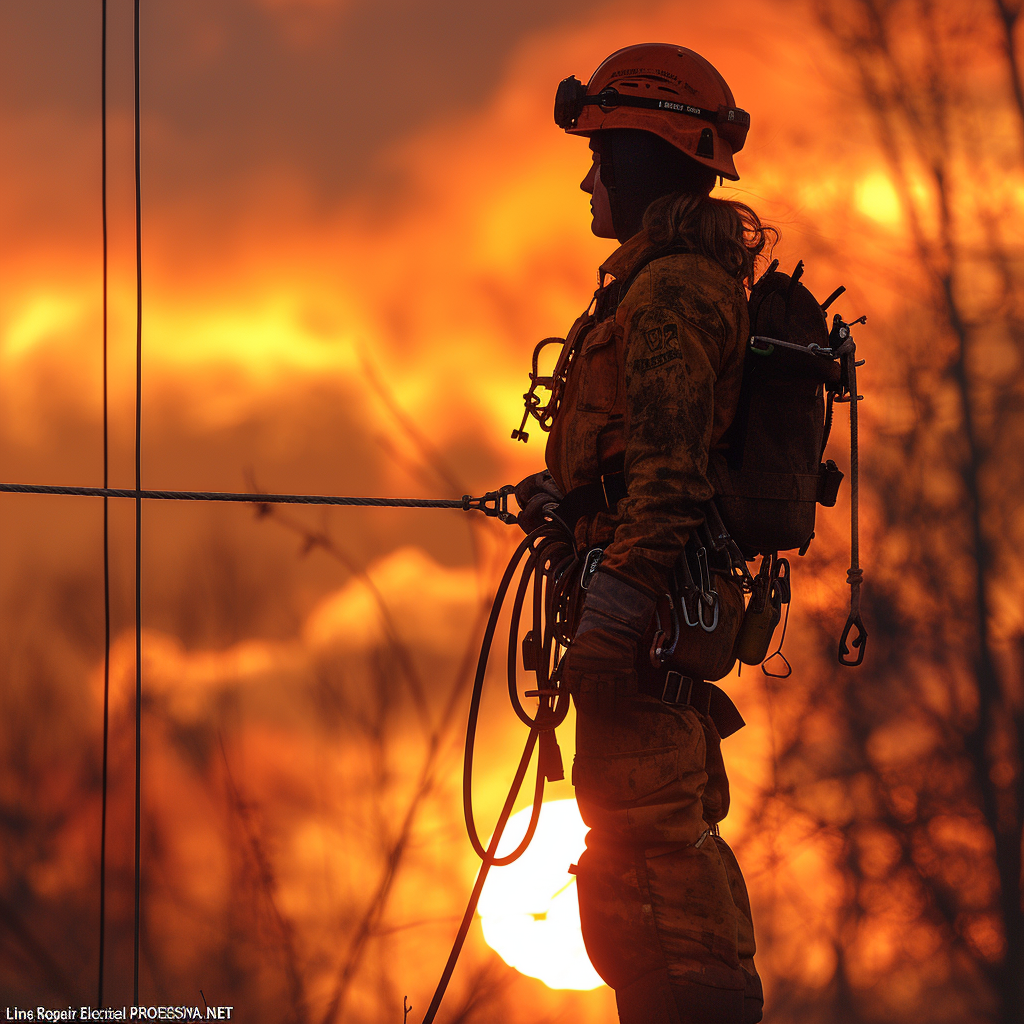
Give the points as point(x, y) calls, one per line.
point(301, 204)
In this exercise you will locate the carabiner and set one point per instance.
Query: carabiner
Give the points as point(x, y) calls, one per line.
point(591, 561)
point(859, 642)
point(713, 604)
point(686, 609)
point(780, 585)
point(660, 650)
point(667, 652)
point(705, 573)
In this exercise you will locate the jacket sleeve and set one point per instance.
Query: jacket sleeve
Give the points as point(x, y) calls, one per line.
point(676, 332)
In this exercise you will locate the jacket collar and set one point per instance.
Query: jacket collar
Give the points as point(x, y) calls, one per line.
point(621, 262)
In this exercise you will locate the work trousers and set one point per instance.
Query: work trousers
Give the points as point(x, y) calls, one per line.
point(664, 909)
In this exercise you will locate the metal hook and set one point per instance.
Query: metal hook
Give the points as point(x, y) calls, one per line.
point(663, 645)
point(686, 610)
point(859, 642)
point(713, 604)
point(545, 413)
point(705, 574)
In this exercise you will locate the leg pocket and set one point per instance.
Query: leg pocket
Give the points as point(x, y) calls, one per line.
point(627, 775)
point(615, 917)
point(602, 694)
point(639, 775)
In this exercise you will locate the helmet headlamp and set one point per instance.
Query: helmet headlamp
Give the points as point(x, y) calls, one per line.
point(569, 99)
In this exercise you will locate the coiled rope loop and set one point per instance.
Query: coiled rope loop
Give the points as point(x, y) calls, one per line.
point(547, 560)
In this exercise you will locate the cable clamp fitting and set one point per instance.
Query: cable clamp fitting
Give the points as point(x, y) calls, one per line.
point(493, 504)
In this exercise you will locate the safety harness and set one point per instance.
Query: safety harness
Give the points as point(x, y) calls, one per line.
point(771, 477)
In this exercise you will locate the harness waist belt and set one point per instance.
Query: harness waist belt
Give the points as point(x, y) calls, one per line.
point(707, 699)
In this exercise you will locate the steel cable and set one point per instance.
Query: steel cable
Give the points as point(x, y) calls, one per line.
point(249, 497)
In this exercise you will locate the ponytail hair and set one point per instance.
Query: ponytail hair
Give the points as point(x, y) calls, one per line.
point(723, 230)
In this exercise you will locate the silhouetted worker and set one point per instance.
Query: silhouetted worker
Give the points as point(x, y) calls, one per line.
point(652, 384)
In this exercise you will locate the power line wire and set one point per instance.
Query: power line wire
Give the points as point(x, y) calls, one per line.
point(106, 521)
point(138, 513)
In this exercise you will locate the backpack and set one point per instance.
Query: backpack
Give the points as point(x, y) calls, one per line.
point(771, 476)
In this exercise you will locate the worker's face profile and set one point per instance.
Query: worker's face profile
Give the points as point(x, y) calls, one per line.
point(600, 205)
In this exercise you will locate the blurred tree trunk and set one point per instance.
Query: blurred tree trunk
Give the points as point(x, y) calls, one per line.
point(931, 728)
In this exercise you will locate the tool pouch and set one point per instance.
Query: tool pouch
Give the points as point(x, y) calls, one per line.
point(761, 618)
point(695, 628)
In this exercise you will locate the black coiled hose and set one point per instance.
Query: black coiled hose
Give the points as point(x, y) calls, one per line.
point(547, 558)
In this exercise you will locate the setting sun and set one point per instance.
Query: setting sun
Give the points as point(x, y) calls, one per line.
point(530, 912)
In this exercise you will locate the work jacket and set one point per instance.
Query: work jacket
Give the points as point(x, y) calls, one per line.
point(654, 380)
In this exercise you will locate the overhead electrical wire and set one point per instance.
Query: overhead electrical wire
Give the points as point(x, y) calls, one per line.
point(138, 515)
point(106, 519)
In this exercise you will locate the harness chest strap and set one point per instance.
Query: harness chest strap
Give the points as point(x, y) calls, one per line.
point(576, 333)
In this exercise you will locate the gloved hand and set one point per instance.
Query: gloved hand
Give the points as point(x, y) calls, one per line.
point(533, 493)
point(600, 663)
